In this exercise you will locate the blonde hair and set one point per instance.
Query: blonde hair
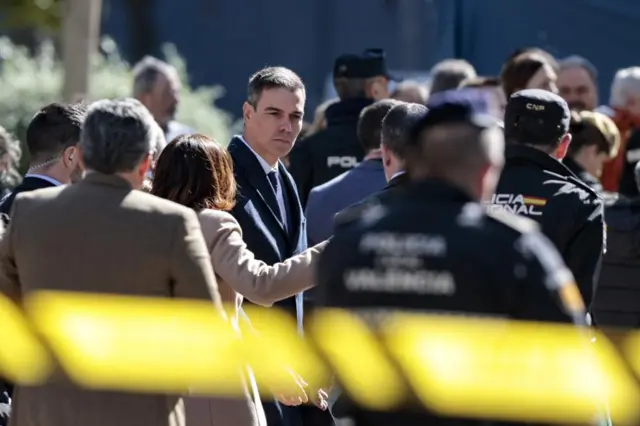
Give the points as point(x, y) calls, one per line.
point(319, 118)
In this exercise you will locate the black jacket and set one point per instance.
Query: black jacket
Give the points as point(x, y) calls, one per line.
point(467, 263)
point(354, 211)
point(330, 152)
point(30, 183)
point(583, 175)
point(617, 300)
point(536, 185)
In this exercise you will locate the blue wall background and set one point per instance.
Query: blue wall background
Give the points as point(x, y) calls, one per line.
point(224, 41)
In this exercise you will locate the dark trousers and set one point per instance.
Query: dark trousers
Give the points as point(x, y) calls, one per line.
point(303, 415)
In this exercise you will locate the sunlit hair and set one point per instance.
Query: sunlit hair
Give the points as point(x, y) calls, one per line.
point(195, 171)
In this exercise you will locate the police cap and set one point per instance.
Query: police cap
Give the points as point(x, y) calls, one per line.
point(371, 63)
point(470, 106)
point(536, 117)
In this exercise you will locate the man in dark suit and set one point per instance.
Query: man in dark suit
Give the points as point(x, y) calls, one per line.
point(268, 207)
point(395, 133)
point(52, 138)
point(354, 185)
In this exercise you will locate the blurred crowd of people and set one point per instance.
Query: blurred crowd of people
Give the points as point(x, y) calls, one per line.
point(503, 178)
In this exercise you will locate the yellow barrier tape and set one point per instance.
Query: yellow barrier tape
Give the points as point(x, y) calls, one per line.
point(22, 357)
point(453, 365)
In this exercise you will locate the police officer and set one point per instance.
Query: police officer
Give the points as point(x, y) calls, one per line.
point(359, 80)
point(434, 247)
point(536, 184)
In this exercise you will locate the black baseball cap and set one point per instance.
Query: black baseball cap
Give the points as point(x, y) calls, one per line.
point(470, 106)
point(536, 117)
point(370, 63)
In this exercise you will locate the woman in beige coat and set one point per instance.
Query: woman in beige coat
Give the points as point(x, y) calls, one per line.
point(193, 170)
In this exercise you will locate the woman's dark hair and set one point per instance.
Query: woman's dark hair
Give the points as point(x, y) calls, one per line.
point(517, 72)
point(195, 171)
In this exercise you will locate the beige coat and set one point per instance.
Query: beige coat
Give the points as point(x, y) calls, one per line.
point(101, 236)
point(241, 275)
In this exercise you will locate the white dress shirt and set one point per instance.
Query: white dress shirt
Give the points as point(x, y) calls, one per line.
point(279, 192)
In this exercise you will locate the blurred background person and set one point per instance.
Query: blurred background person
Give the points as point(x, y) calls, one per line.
point(157, 85)
point(528, 70)
point(493, 87)
point(617, 302)
point(10, 155)
point(411, 91)
point(319, 118)
point(578, 83)
point(448, 74)
point(359, 81)
point(52, 139)
point(624, 110)
point(354, 185)
point(594, 140)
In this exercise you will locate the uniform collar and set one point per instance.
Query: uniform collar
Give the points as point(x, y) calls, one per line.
point(346, 111)
point(515, 152)
point(49, 179)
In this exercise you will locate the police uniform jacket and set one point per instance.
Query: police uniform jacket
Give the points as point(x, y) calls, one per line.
point(469, 262)
point(535, 185)
point(330, 152)
point(583, 175)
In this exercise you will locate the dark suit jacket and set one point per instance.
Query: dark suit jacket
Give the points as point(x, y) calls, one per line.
point(30, 183)
point(262, 231)
point(329, 198)
point(354, 211)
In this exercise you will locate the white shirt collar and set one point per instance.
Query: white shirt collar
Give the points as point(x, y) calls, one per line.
point(265, 166)
point(43, 177)
point(396, 174)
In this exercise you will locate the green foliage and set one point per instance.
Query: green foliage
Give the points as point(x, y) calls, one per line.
point(31, 81)
point(41, 14)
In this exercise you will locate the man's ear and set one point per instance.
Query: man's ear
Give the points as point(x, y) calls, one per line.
point(145, 165)
point(247, 111)
point(563, 147)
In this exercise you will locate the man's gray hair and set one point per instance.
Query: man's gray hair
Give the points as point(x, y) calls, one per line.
point(146, 72)
point(575, 61)
point(397, 125)
point(448, 74)
point(117, 135)
point(626, 84)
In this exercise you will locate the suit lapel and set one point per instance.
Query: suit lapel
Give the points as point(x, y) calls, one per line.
point(252, 171)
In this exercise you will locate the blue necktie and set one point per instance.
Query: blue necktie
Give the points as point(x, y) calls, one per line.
point(275, 184)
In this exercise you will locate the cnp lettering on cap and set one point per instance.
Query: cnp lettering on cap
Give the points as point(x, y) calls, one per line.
point(535, 107)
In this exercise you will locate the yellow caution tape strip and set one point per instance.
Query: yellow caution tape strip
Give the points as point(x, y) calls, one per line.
point(453, 365)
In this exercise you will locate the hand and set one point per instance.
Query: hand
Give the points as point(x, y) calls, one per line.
point(295, 396)
point(321, 400)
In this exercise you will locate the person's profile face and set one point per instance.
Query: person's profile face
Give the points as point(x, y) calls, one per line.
point(275, 122)
point(165, 97)
point(545, 78)
point(379, 88)
point(578, 89)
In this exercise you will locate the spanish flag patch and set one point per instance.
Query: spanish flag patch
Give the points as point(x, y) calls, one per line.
point(534, 201)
